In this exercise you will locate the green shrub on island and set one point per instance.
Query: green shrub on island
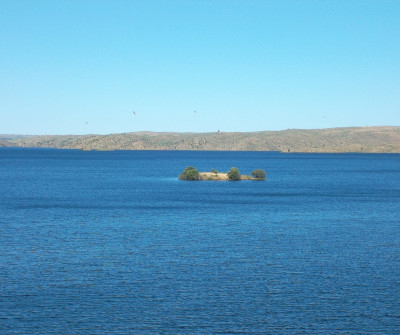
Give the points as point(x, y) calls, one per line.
point(190, 173)
point(234, 174)
point(259, 174)
point(214, 171)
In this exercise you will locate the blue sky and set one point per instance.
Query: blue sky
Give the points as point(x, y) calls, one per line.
point(77, 67)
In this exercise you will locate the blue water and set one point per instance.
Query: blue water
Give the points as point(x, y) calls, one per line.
point(114, 243)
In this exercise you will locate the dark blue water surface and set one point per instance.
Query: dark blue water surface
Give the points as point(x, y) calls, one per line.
point(114, 243)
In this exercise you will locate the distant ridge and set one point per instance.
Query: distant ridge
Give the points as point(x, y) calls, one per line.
point(356, 139)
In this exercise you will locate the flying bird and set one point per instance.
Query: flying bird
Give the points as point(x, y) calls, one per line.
point(134, 113)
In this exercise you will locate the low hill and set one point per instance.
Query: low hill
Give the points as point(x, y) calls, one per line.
point(358, 139)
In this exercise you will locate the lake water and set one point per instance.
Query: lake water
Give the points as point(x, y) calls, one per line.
point(114, 243)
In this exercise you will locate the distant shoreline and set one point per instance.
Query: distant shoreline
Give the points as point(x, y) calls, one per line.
point(382, 139)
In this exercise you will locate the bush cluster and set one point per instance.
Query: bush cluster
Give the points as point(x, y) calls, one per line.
point(259, 174)
point(190, 173)
point(234, 174)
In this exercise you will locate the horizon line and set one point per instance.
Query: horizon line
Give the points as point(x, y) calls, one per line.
point(200, 132)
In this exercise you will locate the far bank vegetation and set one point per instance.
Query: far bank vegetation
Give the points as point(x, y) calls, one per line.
point(191, 173)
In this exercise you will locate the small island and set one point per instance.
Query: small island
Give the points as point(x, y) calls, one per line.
point(191, 173)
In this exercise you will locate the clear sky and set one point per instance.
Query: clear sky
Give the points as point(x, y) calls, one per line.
point(77, 67)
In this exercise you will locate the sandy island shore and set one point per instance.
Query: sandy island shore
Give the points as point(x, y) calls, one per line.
point(220, 176)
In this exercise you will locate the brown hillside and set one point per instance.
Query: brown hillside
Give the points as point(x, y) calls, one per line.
point(364, 139)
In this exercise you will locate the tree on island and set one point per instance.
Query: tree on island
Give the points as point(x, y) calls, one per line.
point(259, 174)
point(190, 173)
point(234, 174)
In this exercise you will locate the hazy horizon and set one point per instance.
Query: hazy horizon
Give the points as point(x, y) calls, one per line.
point(197, 132)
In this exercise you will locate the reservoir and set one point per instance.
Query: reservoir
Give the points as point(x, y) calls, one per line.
point(113, 243)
